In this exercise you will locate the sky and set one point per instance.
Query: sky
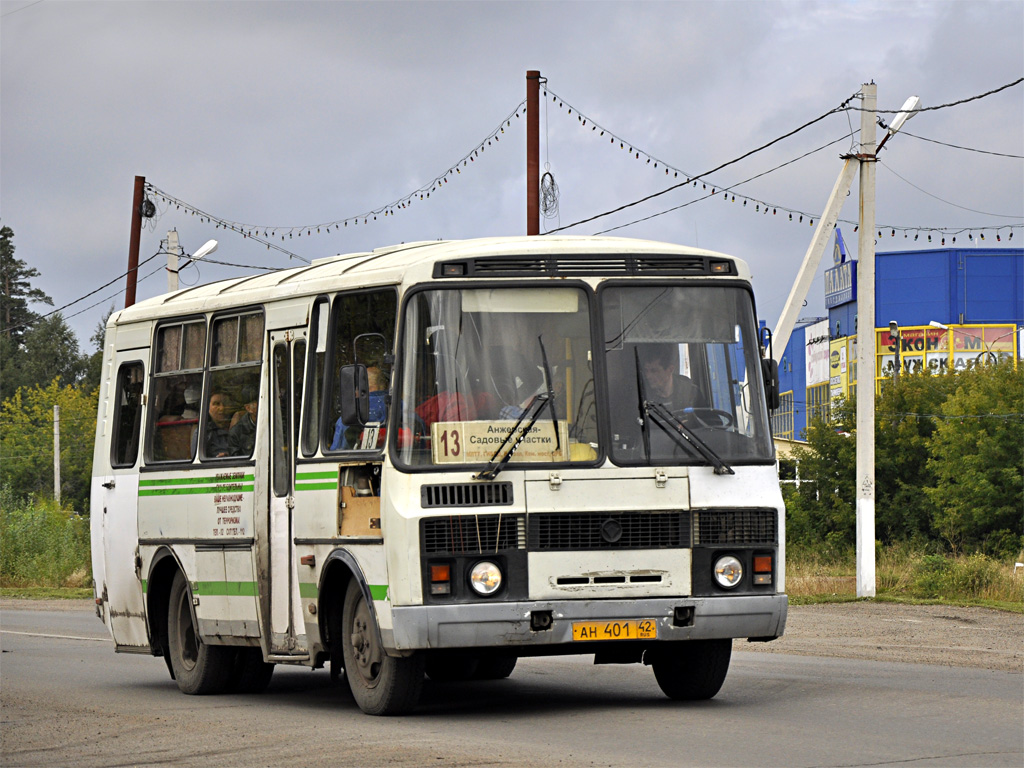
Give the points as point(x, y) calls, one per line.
point(292, 115)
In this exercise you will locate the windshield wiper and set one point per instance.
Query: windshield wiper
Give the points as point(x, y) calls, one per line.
point(533, 411)
point(681, 434)
point(685, 436)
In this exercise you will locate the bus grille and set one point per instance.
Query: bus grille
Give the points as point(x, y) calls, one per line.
point(608, 530)
point(466, 495)
point(716, 527)
point(472, 534)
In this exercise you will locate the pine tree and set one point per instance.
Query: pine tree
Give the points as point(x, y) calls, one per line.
point(16, 292)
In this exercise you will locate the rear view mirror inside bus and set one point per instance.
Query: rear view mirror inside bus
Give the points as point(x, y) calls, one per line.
point(354, 395)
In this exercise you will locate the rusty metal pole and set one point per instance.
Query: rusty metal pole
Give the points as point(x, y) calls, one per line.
point(532, 152)
point(133, 244)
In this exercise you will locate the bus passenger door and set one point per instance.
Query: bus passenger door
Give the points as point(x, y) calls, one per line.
point(115, 498)
point(287, 631)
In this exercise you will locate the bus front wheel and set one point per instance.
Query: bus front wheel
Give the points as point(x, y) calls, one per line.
point(198, 668)
point(381, 684)
point(693, 670)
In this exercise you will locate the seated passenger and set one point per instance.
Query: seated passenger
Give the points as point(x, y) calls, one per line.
point(220, 411)
point(242, 435)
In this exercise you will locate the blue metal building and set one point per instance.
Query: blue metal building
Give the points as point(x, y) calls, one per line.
point(945, 287)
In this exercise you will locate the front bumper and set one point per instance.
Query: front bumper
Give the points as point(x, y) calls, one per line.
point(508, 624)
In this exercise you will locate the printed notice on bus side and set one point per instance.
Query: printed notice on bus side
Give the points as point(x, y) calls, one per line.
point(475, 442)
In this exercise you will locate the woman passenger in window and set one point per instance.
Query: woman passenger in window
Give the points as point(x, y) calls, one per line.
point(220, 410)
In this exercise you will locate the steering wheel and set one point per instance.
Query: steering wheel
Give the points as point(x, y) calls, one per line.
point(710, 418)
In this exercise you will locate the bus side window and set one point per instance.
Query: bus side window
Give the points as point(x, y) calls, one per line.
point(236, 356)
point(127, 424)
point(175, 391)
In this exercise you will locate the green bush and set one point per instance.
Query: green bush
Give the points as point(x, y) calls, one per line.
point(42, 544)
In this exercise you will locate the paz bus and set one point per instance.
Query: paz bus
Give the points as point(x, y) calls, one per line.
point(436, 458)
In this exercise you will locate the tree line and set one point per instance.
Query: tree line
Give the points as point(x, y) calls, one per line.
point(949, 465)
point(41, 366)
point(949, 448)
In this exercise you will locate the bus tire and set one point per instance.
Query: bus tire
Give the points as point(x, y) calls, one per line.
point(693, 670)
point(198, 668)
point(495, 667)
point(249, 672)
point(380, 684)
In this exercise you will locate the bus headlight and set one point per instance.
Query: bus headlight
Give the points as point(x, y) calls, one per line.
point(485, 578)
point(728, 571)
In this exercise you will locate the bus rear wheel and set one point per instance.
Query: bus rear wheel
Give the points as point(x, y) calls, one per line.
point(693, 670)
point(198, 668)
point(380, 684)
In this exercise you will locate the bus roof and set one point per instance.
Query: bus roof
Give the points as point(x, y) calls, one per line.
point(389, 265)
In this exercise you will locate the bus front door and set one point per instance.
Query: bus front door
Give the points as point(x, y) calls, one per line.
point(286, 635)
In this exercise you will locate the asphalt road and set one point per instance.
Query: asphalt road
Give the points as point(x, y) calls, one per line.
point(68, 700)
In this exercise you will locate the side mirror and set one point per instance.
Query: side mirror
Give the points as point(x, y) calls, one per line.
point(770, 370)
point(354, 395)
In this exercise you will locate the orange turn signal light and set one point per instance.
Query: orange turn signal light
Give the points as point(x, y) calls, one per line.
point(762, 563)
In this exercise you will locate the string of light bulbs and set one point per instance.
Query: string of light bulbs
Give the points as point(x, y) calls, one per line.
point(759, 205)
point(264, 232)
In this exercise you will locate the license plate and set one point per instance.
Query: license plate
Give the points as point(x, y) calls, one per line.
point(635, 629)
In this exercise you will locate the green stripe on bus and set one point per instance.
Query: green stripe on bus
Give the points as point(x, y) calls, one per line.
point(248, 589)
point(316, 486)
point(205, 479)
point(235, 488)
point(316, 475)
point(224, 588)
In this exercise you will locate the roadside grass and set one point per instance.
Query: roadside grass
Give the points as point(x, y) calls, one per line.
point(44, 554)
point(42, 544)
point(905, 573)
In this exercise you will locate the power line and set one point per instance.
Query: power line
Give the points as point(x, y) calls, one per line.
point(706, 173)
point(913, 112)
point(91, 293)
point(941, 200)
point(638, 153)
point(904, 132)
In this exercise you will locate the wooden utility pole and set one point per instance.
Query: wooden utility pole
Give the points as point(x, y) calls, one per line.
point(532, 152)
point(133, 243)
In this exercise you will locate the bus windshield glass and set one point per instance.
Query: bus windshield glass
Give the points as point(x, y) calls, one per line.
point(683, 378)
point(496, 375)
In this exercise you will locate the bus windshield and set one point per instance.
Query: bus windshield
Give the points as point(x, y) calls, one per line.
point(501, 375)
point(683, 377)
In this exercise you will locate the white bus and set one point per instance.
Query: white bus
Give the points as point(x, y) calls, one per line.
point(436, 458)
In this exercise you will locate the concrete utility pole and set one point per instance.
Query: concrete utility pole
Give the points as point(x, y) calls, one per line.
point(532, 152)
point(812, 258)
point(173, 252)
point(133, 242)
point(865, 160)
point(56, 453)
point(866, 348)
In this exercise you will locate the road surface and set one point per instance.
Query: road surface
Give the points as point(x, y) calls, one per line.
point(68, 700)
